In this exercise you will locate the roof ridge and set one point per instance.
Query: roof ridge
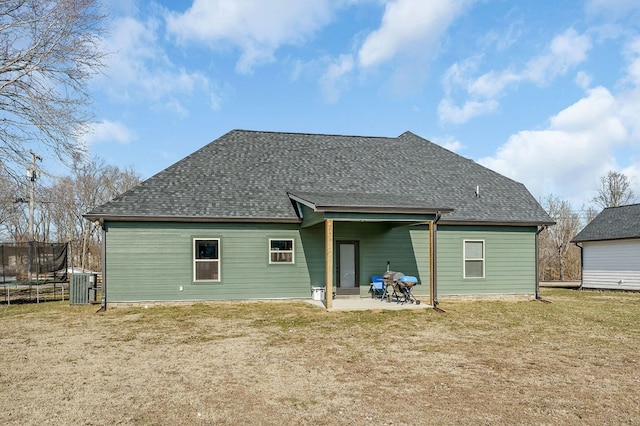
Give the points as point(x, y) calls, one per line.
point(625, 205)
point(276, 132)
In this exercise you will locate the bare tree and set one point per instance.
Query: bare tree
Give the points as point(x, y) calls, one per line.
point(615, 190)
point(60, 206)
point(558, 255)
point(13, 213)
point(49, 49)
point(589, 214)
point(92, 183)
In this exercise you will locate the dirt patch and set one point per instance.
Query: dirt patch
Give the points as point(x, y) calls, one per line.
point(573, 361)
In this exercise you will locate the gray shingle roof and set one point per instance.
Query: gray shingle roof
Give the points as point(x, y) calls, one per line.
point(246, 175)
point(613, 223)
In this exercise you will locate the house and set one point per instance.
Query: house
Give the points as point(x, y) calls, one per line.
point(611, 249)
point(267, 215)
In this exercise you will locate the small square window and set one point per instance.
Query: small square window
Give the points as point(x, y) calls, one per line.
point(281, 251)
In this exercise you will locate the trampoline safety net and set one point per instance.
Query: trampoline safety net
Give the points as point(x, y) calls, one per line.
point(33, 262)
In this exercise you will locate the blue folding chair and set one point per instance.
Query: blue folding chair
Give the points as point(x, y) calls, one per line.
point(377, 287)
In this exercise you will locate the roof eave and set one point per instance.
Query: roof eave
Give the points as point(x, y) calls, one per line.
point(493, 223)
point(594, 240)
point(189, 219)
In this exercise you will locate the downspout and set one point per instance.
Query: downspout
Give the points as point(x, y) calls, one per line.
point(581, 266)
point(538, 297)
point(434, 257)
point(103, 304)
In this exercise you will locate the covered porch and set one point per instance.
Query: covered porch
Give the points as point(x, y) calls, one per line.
point(366, 235)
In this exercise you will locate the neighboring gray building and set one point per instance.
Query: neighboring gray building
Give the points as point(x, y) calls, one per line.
point(260, 215)
point(611, 249)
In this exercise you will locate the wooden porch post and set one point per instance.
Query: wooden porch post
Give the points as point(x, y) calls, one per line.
point(328, 250)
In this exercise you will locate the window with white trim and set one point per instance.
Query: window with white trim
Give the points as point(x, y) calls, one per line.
point(281, 250)
point(473, 259)
point(206, 259)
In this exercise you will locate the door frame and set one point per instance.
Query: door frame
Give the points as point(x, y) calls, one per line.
point(356, 254)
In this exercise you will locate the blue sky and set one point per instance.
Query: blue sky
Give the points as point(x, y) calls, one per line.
point(545, 92)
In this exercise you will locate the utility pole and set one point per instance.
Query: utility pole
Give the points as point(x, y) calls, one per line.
point(32, 174)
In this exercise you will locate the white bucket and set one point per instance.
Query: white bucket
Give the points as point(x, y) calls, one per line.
point(317, 293)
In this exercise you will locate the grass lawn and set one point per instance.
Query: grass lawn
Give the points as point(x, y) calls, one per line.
point(574, 361)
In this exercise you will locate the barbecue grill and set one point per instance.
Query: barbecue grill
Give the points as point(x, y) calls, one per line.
point(398, 287)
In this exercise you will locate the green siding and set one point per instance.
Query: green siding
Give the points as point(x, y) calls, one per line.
point(509, 260)
point(151, 261)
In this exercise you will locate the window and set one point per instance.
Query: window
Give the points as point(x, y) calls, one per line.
point(206, 259)
point(281, 251)
point(474, 259)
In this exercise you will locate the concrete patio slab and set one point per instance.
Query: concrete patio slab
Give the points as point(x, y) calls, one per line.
point(365, 304)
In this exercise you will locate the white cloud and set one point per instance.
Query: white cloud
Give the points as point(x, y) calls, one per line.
point(565, 51)
point(598, 133)
point(409, 30)
point(461, 114)
point(629, 97)
point(408, 27)
point(258, 28)
point(407, 40)
point(458, 73)
point(107, 131)
point(492, 84)
point(633, 57)
point(613, 8)
point(568, 157)
point(450, 143)
point(633, 173)
point(140, 70)
point(597, 111)
point(583, 80)
point(336, 77)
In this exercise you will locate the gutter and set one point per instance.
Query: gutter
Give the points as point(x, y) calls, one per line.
point(494, 223)
point(380, 209)
point(191, 219)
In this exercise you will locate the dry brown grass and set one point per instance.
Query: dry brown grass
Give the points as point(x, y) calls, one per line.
point(574, 361)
